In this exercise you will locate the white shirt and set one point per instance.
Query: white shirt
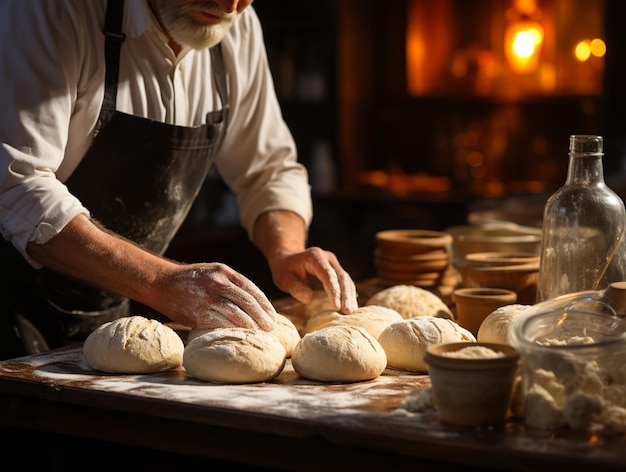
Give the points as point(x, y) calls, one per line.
point(51, 89)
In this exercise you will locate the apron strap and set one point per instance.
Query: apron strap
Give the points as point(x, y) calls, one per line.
point(221, 84)
point(112, 47)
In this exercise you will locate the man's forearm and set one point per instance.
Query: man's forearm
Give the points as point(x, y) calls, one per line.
point(201, 295)
point(86, 252)
point(278, 233)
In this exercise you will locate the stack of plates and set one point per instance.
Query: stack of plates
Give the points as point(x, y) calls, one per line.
point(412, 257)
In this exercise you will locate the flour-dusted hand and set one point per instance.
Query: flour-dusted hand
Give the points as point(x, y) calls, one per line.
point(213, 295)
point(281, 236)
point(291, 272)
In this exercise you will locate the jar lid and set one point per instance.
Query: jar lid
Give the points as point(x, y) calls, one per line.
point(616, 295)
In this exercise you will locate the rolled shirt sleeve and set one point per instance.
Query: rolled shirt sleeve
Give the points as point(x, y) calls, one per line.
point(36, 210)
point(258, 158)
point(37, 105)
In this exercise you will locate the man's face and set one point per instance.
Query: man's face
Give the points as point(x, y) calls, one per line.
point(199, 23)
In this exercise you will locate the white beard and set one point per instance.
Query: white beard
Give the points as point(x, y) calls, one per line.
point(186, 31)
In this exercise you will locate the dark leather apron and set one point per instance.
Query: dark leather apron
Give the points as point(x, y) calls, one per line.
point(139, 179)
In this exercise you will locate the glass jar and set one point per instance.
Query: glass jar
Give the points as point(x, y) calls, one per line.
point(584, 222)
point(573, 363)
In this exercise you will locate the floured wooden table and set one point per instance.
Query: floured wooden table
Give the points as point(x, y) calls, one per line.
point(289, 423)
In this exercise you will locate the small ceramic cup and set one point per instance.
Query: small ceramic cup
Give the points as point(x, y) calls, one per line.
point(472, 391)
point(473, 305)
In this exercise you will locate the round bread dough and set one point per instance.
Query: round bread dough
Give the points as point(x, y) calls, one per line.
point(133, 345)
point(320, 303)
point(234, 356)
point(339, 354)
point(372, 318)
point(196, 333)
point(411, 301)
point(495, 327)
point(284, 330)
point(405, 342)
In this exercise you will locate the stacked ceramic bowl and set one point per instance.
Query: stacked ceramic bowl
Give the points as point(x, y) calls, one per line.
point(412, 257)
point(516, 271)
point(496, 237)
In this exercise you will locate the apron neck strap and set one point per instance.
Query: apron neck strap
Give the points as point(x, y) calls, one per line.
point(219, 74)
point(112, 45)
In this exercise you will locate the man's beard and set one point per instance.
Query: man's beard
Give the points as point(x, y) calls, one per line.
point(183, 29)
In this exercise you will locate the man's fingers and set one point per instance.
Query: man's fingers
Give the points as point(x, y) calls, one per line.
point(338, 285)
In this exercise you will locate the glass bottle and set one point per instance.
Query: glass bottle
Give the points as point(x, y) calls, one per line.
point(584, 221)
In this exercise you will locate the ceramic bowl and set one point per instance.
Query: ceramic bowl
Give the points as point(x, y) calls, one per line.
point(494, 237)
point(520, 278)
point(500, 258)
point(412, 241)
point(411, 256)
point(472, 391)
point(473, 305)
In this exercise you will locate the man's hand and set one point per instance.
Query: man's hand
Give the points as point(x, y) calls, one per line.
point(208, 296)
point(281, 236)
point(290, 274)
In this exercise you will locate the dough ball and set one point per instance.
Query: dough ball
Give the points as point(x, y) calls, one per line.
point(284, 330)
point(234, 356)
point(372, 318)
point(287, 333)
point(133, 345)
point(495, 328)
point(339, 354)
point(405, 342)
point(411, 301)
point(196, 333)
point(320, 303)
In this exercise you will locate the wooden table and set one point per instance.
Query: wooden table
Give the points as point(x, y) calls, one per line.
point(289, 423)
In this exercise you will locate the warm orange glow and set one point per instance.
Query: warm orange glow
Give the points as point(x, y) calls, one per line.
point(598, 47)
point(401, 183)
point(415, 53)
point(585, 49)
point(513, 49)
point(428, 40)
point(582, 51)
point(523, 44)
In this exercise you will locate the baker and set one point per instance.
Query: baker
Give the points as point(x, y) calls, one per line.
point(112, 114)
